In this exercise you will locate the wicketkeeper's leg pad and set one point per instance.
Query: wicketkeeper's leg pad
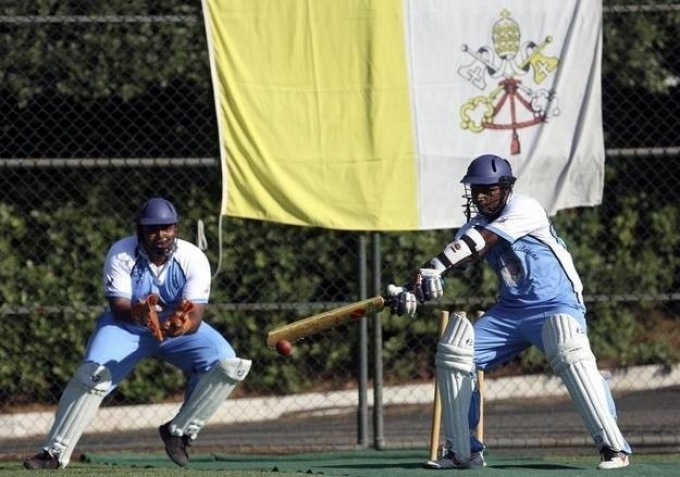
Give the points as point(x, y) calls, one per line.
point(568, 350)
point(77, 407)
point(212, 389)
point(454, 362)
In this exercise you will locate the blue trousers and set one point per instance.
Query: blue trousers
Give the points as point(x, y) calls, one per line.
point(120, 347)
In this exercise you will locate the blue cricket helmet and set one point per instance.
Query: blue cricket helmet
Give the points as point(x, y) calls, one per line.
point(157, 211)
point(489, 169)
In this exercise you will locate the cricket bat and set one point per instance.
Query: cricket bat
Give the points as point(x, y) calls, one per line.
point(323, 321)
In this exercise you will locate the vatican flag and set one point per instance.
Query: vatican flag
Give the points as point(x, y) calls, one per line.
point(364, 114)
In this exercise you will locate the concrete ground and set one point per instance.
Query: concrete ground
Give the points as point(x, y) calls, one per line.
point(649, 419)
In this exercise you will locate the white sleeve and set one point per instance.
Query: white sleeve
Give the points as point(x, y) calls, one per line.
point(197, 268)
point(520, 217)
point(117, 268)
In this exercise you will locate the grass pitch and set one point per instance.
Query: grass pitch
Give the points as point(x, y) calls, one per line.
point(364, 463)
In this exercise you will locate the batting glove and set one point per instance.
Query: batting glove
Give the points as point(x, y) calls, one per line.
point(431, 284)
point(403, 301)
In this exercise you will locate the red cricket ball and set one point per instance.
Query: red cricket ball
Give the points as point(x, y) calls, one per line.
point(284, 347)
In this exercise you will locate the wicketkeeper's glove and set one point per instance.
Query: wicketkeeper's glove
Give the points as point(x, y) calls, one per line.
point(179, 322)
point(145, 312)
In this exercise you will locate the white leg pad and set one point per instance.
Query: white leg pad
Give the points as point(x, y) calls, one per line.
point(454, 362)
point(568, 350)
point(77, 407)
point(212, 389)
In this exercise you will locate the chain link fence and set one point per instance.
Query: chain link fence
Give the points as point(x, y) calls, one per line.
point(103, 105)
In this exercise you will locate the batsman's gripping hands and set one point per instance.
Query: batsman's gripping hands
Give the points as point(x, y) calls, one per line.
point(403, 302)
point(426, 285)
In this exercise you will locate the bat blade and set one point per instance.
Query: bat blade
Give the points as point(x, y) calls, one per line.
point(323, 321)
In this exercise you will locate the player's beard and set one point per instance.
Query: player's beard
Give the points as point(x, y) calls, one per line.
point(161, 248)
point(491, 209)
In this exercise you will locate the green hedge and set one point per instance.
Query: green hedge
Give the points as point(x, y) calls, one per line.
point(53, 249)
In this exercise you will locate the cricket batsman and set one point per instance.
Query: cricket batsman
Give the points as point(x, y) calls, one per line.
point(539, 304)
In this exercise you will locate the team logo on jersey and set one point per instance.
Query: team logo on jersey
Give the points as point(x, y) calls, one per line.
point(515, 99)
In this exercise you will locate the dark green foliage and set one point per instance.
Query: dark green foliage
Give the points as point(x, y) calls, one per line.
point(273, 274)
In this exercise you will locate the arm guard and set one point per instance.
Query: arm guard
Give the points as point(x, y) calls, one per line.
point(467, 246)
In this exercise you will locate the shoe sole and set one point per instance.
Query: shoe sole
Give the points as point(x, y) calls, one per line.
point(431, 464)
point(609, 465)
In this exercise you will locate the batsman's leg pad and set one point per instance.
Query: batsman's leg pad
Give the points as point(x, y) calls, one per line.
point(456, 345)
point(568, 350)
point(77, 407)
point(454, 362)
point(212, 389)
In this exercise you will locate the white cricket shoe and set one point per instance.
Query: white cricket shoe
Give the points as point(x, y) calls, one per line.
point(451, 461)
point(611, 459)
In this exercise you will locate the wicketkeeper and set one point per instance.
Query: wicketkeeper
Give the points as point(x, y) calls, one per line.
point(157, 286)
point(539, 303)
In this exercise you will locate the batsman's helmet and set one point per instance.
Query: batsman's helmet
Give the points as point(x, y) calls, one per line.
point(489, 169)
point(157, 211)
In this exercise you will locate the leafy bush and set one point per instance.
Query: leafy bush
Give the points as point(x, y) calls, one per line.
point(271, 274)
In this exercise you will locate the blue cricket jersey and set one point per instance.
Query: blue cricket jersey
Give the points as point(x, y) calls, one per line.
point(534, 269)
